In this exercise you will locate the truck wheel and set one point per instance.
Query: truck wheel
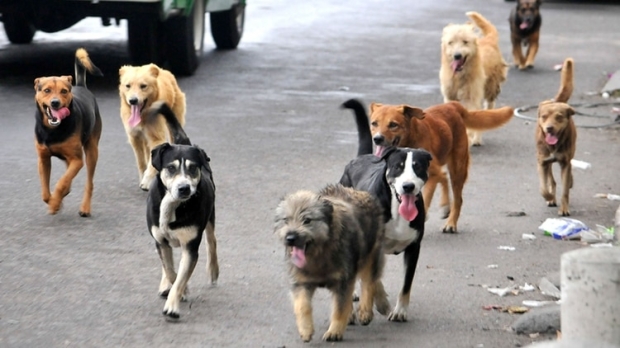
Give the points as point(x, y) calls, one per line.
point(18, 27)
point(184, 39)
point(227, 26)
point(145, 40)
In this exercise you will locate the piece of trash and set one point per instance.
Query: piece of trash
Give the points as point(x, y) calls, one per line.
point(506, 247)
point(344, 88)
point(580, 164)
point(557, 67)
point(535, 335)
point(515, 213)
point(605, 95)
point(491, 307)
point(562, 228)
point(602, 234)
point(516, 309)
point(501, 292)
point(511, 278)
point(602, 245)
point(527, 287)
point(610, 196)
point(532, 303)
point(548, 289)
point(528, 236)
point(493, 266)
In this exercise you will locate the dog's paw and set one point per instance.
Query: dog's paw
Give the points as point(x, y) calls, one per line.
point(352, 318)
point(164, 293)
point(445, 211)
point(171, 314)
point(331, 336)
point(552, 204)
point(449, 229)
point(364, 316)
point(383, 305)
point(53, 206)
point(306, 336)
point(563, 212)
point(398, 314)
point(84, 214)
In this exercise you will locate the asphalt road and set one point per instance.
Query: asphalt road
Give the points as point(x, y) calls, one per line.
point(268, 116)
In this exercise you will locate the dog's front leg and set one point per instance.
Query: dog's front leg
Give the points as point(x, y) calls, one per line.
point(168, 275)
point(342, 307)
point(567, 178)
point(63, 187)
point(186, 267)
point(45, 169)
point(410, 258)
point(213, 268)
point(532, 49)
point(302, 306)
point(517, 52)
point(547, 184)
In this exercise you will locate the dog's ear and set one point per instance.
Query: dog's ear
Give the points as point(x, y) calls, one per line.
point(157, 156)
point(67, 78)
point(36, 83)
point(327, 210)
point(425, 155)
point(204, 159)
point(374, 106)
point(569, 111)
point(154, 70)
point(122, 70)
point(411, 112)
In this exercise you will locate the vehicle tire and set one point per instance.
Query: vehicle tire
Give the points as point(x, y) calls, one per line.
point(185, 40)
point(227, 26)
point(19, 29)
point(145, 40)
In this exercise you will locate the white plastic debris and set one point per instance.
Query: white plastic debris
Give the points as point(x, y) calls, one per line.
point(506, 247)
point(562, 228)
point(528, 236)
point(580, 164)
point(492, 266)
point(527, 287)
point(501, 292)
point(532, 303)
point(610, 196)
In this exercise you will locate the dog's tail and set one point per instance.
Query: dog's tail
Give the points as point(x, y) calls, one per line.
point(566, 82)
point(82, 65)
point(488, 29)
point(363, 129)
point(176, 130)
point(487, 119)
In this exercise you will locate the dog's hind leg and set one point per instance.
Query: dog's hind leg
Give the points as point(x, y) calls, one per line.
point(213, 268)
point(189, 257)
point(458, 175)
point(302, 306)
point(369, 275)
point(91, 155)
point(444, 204)
point(434, 176)
point(567, 183)
point(412, 253)
point(342, 306)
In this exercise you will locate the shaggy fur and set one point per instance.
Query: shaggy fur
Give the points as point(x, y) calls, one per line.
point(556, 138)
point(472, 68)
point(139, 88)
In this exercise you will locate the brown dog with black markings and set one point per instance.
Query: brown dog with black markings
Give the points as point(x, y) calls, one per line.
point(525, 22)
point(441, 130)
point(68, 126)
point(556, 139)
point(331, 238)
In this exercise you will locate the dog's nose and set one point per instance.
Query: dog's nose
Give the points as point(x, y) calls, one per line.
point(549, 129)
point(378, 139)
point(291, 238)
point(55, 103)
point(458, 56)
point(133, 101)
point(408, 187)
point(184, 190)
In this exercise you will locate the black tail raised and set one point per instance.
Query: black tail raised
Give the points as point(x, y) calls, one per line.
point(363, 128)
point(178, 134)
point(83, 64)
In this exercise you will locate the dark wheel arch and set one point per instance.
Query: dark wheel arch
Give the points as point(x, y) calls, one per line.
point(185, 39)
point(18, 27)
point(227, 26)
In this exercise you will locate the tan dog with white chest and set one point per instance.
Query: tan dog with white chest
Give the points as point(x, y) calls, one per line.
point(556, 139)
point(139, 88)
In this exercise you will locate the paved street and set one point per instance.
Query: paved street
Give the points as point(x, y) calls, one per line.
point(268, 115)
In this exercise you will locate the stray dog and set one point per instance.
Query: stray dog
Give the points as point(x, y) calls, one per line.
point(331, 238)
point(441, 130)
point(472, 67)
point(396, 179)
point(139, 87)
point(525, 22)
point(68, 126)
point(556, 138)
point(180, 205)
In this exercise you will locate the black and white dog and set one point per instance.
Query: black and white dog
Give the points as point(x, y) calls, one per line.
point(180, 206)
point(396, 179)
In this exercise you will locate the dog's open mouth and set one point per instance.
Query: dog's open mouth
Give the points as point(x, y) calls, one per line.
point(525, 24)
point(55, 116)
point(458, 64)
point(407, 208)
point(380, 149)
point(551, 139)
point(298, 256)
point(135, 118)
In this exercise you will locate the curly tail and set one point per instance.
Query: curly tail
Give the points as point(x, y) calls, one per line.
point(82, 65)
point(363, 129)
point(176, 130)
point(566, 82)
point(488, 29)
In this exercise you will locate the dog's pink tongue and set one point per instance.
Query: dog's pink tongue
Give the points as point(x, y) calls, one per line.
point(456, 65)
point(551, 139)
point(134, 120)
point(60, 113)
point(407, 208)
point(523, 25)
point(379, 151)
point(298, 257)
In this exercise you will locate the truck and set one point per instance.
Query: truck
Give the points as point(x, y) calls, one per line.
point(165, 32)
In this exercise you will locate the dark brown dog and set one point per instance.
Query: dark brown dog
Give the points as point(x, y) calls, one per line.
point(68, 125)
point(441, 130)
point(556, 138)
point(525, 22)
point(331, 238)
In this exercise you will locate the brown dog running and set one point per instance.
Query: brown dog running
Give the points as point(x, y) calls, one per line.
point(556, 139)
point(331, 238)
point(525, 22)
point(441, 130)
point(68, 126)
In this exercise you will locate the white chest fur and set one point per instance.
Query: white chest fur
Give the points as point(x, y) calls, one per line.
point(398, 234)
point(175, 237)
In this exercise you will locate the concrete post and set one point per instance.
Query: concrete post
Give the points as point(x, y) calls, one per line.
point(591, 295)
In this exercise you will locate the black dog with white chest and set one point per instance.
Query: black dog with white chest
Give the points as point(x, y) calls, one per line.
point(180, 205)
point(396, 179)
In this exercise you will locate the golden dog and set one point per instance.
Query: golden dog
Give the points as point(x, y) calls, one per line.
point(441, 130)
point(556, 138)
point(472, 67)
point(139, 88)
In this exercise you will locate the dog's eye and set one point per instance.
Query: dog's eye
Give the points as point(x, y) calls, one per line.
point(307, 221)
point(47, 90)
point(128, 86)
point(192, 168)
point(465, 42)
point(374, 124)
point(64, 91)
point(559, 118)
point(171, 168)
point(143, 86)
point(393, 125)
point(449, 43)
